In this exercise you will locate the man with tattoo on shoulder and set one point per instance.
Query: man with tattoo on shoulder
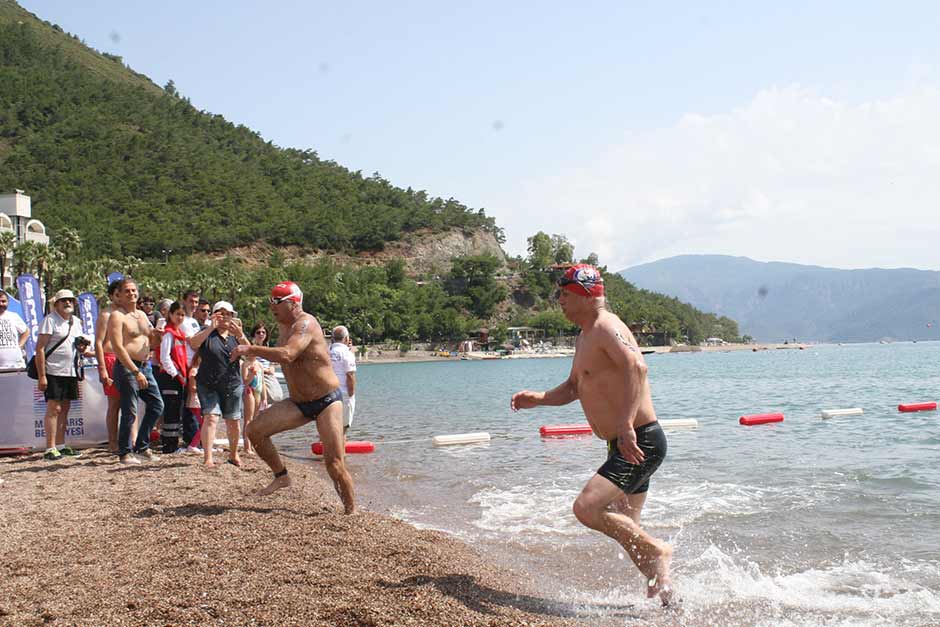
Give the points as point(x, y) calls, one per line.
point(314, 392)
point(608, 377)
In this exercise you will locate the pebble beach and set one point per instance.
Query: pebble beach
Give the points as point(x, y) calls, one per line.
point(90, 542)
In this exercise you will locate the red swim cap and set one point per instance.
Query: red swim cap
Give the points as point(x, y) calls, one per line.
point(583, 279)
point(287, 290)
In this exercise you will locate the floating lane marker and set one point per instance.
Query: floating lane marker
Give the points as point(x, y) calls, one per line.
point(460, 438)
point(835, 413)
point(909, 407)
point(351, 447)
point(679, 423)
point(760, 419)
point(554, 431)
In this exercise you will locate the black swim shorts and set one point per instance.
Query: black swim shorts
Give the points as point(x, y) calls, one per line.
point(312, 409)
point(635, 478)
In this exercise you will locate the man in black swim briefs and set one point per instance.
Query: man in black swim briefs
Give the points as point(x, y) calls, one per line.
point(608, 377)
point(314, 393)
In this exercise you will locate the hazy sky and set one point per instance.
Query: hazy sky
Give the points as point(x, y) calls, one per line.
point(800, 131)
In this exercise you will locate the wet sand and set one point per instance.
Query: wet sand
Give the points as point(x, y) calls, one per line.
point(89, 542)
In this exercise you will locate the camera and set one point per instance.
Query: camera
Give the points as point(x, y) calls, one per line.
point(81, 343)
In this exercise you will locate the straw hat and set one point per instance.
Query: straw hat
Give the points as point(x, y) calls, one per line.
point(62, 295)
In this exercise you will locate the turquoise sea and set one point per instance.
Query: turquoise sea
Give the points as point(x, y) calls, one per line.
point(806, 522)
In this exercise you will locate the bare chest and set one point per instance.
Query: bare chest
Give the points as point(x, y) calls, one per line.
point(136, 325)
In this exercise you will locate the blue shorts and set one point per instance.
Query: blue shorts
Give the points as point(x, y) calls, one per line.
point(227, 402)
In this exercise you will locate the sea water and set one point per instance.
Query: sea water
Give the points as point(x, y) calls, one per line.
point(806, 522)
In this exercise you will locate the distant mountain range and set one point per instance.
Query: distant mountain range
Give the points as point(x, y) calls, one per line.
point(774, 301)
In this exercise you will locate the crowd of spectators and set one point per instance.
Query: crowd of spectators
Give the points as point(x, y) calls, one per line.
point(173, 356)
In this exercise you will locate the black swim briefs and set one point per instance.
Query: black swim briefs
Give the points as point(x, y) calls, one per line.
point(312, 409)
point(635, 478)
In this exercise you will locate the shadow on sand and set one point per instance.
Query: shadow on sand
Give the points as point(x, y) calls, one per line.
point(481, 599)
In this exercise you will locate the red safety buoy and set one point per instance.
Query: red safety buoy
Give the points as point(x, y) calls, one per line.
point(909, 407)
point(351, 447)
point(550, 431)
point(760, 419)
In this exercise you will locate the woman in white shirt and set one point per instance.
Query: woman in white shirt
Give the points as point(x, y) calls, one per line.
point(172, 377)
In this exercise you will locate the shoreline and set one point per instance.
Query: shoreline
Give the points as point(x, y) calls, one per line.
point(173, 543)
point(432, 356)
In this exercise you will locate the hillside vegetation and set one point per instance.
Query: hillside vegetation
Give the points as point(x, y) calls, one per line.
point(137, 170)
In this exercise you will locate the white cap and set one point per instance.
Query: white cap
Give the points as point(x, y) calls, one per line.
point(62, 294)
point(223, 304)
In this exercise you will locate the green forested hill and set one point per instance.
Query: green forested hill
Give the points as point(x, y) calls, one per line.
point(136, 169)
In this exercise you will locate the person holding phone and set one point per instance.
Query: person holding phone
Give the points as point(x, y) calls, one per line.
point(219, 378)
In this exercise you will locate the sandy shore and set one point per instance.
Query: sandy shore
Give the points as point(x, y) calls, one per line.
point(89, 542)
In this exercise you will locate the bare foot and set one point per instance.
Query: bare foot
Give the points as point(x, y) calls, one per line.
point(278, 483)
point(209, 463)
point(660, 583)
point(235, 461)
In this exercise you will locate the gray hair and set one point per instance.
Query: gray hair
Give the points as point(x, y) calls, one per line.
point(340, 333)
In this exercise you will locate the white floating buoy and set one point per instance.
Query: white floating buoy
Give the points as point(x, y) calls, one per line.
point(460, 438)
point(679, 423)
point(834, 413)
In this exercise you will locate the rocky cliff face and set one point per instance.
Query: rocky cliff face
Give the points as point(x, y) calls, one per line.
point(430, 253)
point(424, 253)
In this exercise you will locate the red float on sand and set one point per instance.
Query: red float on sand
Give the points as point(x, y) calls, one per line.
point(550, 431)
point(10, 452)
point(760, 419)
point(351, 447)
point(909, 407)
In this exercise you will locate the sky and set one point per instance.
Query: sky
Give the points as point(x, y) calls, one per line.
point(805, 132)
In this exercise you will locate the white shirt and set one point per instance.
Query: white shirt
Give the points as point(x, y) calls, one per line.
point(61, 362)
point(343, 362)
point(11, 328)
point(190, 327)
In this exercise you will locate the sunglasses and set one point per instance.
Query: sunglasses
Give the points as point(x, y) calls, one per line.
point(261, 332)
point(206, 310)
point(278, 301)
point(563, 281)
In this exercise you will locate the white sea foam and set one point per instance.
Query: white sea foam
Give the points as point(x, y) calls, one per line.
point(681, 504)
point(523, 510)
point(720, 589)
point(853, 592)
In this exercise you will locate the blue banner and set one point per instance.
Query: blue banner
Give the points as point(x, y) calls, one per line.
point(88, 312)
point(114, 276)
point(14, 305)
point(31, 302)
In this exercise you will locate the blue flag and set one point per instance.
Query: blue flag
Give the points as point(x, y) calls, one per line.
point(31, 302)
point(88, 312)
point(14, 305)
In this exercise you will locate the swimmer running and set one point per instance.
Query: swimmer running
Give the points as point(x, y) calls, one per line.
point(314, 393)
point(608, 376)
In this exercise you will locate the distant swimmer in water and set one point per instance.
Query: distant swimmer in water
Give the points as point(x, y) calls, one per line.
point(314, 392)
point(608, 376)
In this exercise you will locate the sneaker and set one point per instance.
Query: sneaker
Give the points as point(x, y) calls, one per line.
point(148, 456)
point(52, 455)
point(130, 460)
point(194, 450)
point(68, 451)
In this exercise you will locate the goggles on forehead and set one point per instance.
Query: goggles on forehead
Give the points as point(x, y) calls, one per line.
point(563, 281)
